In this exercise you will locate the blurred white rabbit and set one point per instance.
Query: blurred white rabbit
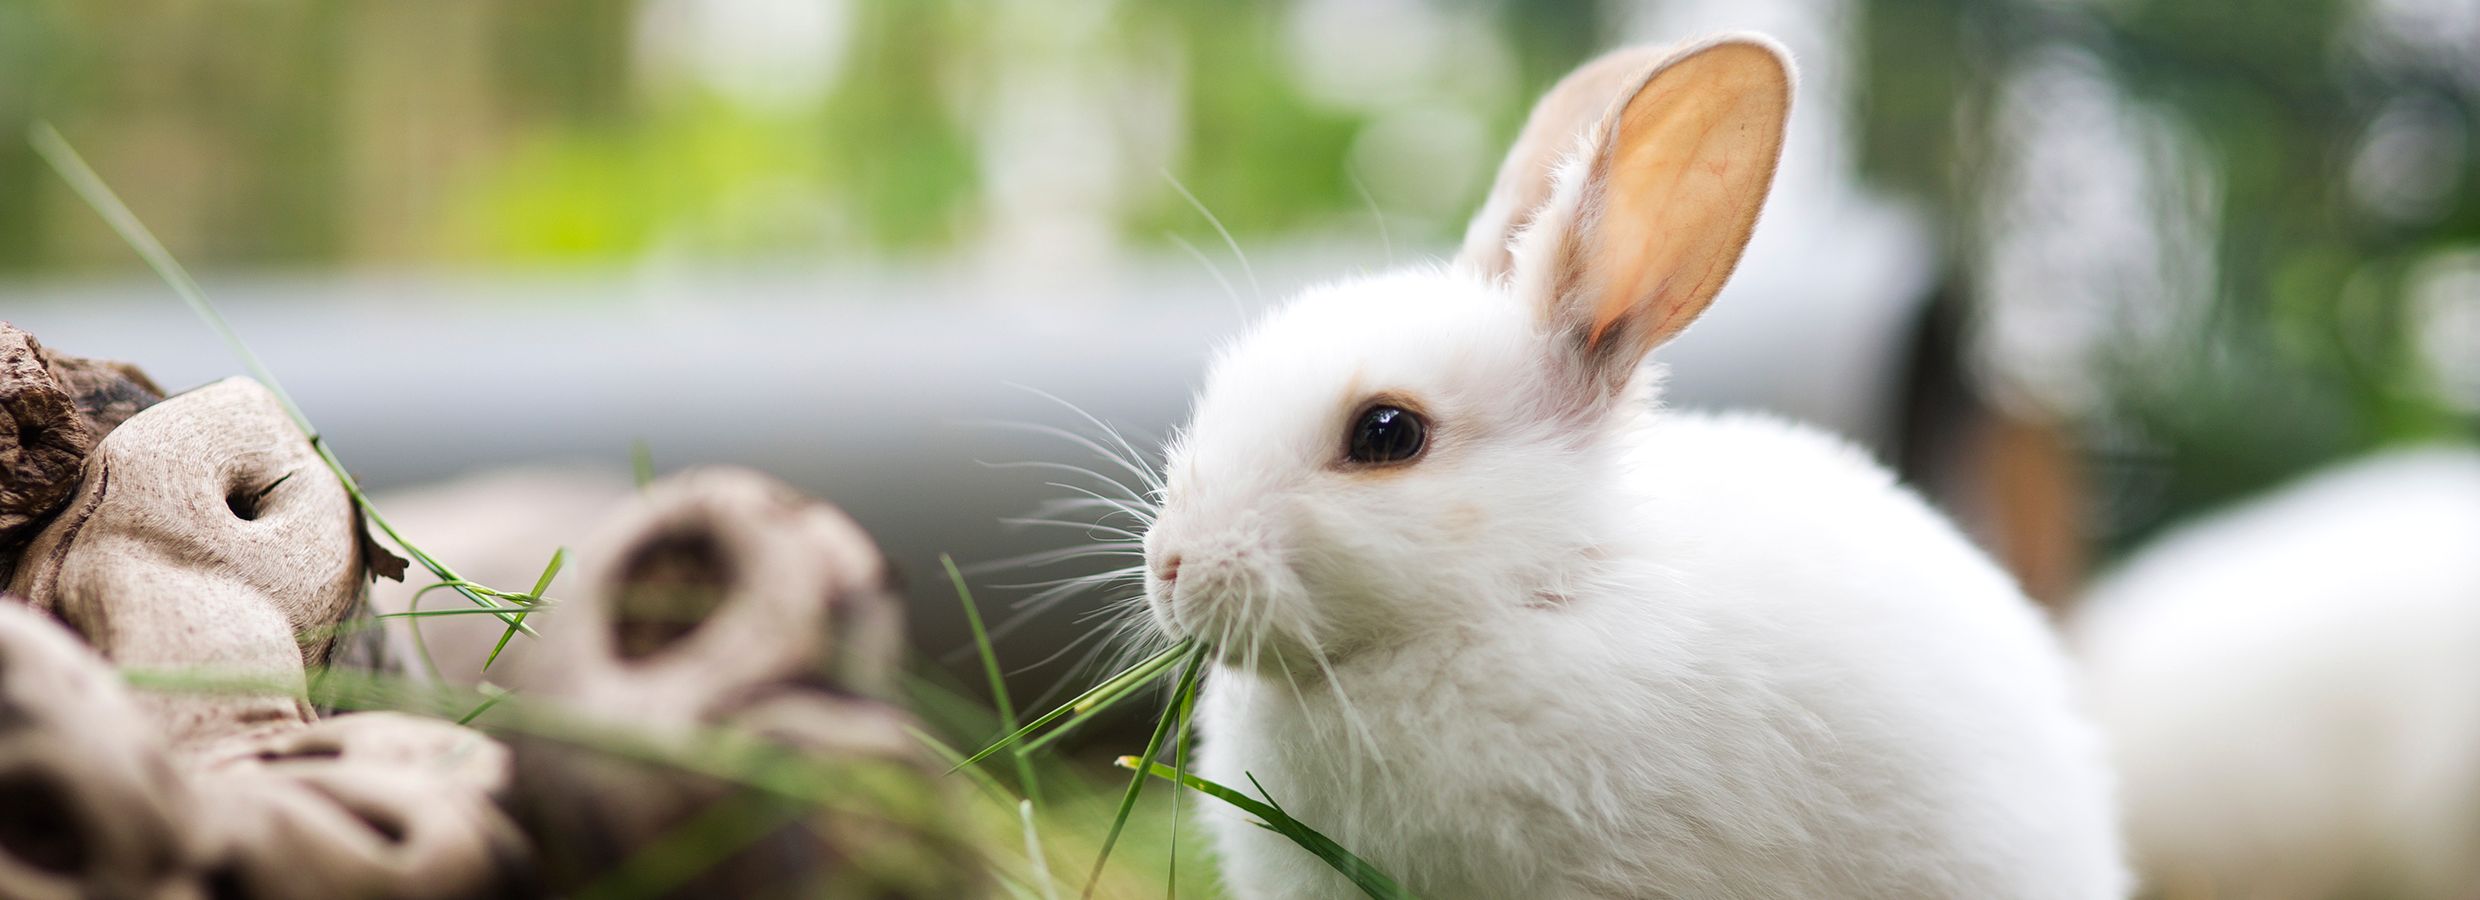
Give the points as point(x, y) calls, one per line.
point(2292, 688)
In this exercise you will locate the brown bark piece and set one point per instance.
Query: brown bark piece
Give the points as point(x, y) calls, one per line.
point(107, 392)
point(43, 438)
point(725, 600)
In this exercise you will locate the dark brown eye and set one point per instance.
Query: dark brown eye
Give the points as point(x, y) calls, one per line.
point(1387, 434)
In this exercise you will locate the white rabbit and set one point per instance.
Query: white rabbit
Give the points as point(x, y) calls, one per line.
point(1490, 620)
point(2292, 688)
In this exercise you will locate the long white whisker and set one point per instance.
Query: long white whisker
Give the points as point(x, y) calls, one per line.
point(1143, 514)
point(1053, 509)
point(1046, 465)
point(1049, 597)
point(1054, 557)
point(1026, 609)
point(1096, 578)
point(1217, 222)
point(1239, 309)
point(1052, 693)
point(1374, 213)
point(1127, 463)
point(1357, 728)
point(1152, 478)
point(1088, 527)
point(1062, 505)
point(1138, 515)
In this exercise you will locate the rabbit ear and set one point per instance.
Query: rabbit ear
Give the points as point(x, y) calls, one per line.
point(1555, 131)
point(1638, 235)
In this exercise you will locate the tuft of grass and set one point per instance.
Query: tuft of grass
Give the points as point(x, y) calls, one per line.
point(1153, 746)
point(1183, 707)
point(91, 188)
point(1189, 656)
point(1271, 817)
point(1094, 701)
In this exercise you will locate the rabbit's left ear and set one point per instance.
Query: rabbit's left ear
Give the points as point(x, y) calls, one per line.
point(1638, 234)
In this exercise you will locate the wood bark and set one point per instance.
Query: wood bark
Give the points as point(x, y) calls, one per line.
point(53, 408)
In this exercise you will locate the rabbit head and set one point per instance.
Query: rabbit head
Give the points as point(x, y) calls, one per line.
point(1379, 451)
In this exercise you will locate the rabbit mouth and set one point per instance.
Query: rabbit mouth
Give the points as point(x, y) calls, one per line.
point(1242, 622)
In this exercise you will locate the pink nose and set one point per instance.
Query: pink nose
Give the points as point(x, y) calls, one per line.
point(1169, 569)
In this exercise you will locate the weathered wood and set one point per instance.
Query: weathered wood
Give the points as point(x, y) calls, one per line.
point(94, 804)
point(89, 805)
point(725, 600)
point(206, 537)
point(205, 542)
point(370, 804)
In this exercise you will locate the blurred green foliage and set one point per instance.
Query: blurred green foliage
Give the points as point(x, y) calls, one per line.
point(2306, 350)
point(337, 133)
point(321, 132)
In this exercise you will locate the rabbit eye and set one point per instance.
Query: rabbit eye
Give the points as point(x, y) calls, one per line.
point(1386, 434)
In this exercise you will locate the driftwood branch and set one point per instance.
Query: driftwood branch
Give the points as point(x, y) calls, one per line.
point(206, 536)
point(716, 656)
point(206, 543)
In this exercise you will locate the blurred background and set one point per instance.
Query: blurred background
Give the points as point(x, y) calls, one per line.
point(2085, 270)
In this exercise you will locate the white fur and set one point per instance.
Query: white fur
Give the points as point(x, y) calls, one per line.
point(1642, 654)
point(2292, 688)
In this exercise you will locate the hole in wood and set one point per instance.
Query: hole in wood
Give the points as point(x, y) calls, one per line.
point(669, 586)
point(248, 501)
point(38, 827)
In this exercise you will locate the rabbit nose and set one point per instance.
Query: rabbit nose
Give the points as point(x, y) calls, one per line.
point(1169, 569)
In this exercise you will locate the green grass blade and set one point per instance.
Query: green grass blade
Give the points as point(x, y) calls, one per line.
point(559, 557)
point(1103, 701)
point(1367, 877)
point(1136, 782)
point(534, 597)
point(641, 462)
point(496, 695)
point(1182, 706)
point(987, 784)
point(435, 613)
point(990, 668)
point(90, 187)
point(1134, 676)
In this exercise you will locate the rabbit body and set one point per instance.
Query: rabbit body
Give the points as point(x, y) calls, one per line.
point(1794, 681)
point(1485, 616)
